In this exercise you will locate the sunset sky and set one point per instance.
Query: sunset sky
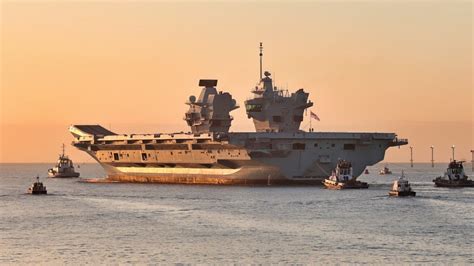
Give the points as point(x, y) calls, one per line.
point(381, 66)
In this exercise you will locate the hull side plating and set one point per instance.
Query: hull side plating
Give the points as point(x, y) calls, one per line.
point(237, 159)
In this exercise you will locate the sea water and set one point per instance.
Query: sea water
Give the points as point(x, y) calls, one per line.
point(79, 223)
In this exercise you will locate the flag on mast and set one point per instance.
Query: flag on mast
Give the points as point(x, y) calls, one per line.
point(315, 116)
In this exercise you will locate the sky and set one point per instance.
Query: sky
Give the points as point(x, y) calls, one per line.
point(377, 66)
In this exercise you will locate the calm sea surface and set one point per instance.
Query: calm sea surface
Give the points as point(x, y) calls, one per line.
point(151, 223)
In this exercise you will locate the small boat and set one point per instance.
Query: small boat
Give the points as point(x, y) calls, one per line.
point(366, 171)
point(385, 171)
point(342, 178)
point(454, 176)
point(37, 188)
point(64, 167)
point(401, 188)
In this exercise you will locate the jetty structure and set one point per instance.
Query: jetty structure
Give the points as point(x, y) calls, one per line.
point(278, 152)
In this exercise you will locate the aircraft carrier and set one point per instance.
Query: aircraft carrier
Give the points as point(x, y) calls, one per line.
point(277, 153)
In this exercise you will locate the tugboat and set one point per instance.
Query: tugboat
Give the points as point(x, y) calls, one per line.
point(64, 167)
point(37, 188)
point(385, 171)
point(454, 176)
point(401, 188)
point(342, 178)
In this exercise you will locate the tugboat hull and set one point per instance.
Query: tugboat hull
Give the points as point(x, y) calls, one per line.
point(63, 175)
point(453, 183)
point(37, 192)
point(349, 185)
point(402, 193)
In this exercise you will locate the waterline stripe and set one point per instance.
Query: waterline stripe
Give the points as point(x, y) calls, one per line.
point(168, 170)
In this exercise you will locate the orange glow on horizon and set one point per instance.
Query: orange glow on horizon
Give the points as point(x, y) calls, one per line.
point(394, 67)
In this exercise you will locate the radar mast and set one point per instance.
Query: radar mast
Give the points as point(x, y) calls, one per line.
point(273, 110)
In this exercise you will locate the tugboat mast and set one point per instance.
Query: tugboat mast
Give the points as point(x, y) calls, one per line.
point(63, 151)
point(472, 160)
point(261, 59)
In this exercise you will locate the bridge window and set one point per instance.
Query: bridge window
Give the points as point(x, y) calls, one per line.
point(277, 119)
point(116, 156)
point(349, 146)
point(298, 146)
point(253, 107)
point(144, 157)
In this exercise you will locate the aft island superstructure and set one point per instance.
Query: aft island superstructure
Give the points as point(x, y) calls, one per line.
point(277, 153)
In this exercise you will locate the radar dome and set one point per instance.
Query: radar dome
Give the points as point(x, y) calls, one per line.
point(192, 99)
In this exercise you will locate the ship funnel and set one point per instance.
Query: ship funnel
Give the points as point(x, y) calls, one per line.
point(210, 112)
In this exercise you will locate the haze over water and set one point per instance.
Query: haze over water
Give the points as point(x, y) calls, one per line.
point(147, 223)
point(385, 66)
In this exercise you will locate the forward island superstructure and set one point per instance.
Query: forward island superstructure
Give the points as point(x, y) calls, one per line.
point(277, 153)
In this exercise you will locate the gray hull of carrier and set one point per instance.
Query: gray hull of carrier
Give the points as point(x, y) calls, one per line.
point(230, 158)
